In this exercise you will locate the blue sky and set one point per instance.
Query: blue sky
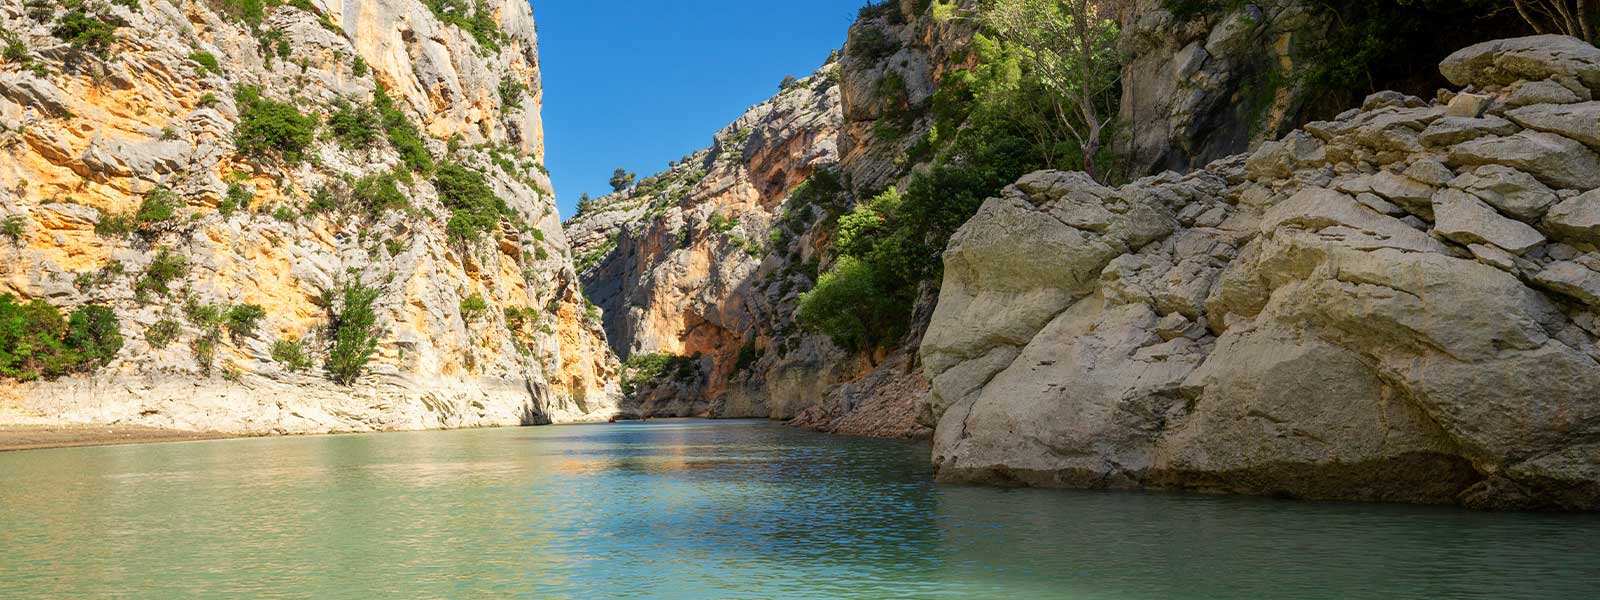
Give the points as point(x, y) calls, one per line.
point(635, 84)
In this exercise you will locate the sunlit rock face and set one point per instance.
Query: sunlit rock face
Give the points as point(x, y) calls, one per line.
point(86, 138)
point(1400, 304)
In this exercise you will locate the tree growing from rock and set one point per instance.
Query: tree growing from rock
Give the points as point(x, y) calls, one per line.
point(621, 179)
point(1068, 47)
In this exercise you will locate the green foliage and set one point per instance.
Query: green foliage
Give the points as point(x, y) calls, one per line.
point(165, 268)
point(356, 127)
point(358, 67)
point(621, 179)
point(242, 320)
point(207, 61)
point(857, 306)
point(475, 210)
point(871, 44)
point(375, 195)
point(291, 353)
point(788, 83)
point(646, 369)
point(267, 128)
point(249, 12)
point(472, 16)
point(719, 223)
point(162, 333)
point(36, 342)
point(207, 100)
point(352, 327)
point(403, 135)
point(15, 52)
point(473, 307)
point(511, 92)
point(748, 355)
point(11, 227)
point(237, 197)
point(85, 29)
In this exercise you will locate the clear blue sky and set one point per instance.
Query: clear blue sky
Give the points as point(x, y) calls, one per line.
point(635, 84)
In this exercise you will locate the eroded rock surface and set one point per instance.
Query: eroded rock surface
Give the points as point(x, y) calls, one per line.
point(1357, 311)
point(87, 138)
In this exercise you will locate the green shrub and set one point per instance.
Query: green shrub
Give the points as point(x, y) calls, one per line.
point(36, 342)
point(854, 306)
point(511, 92)
point(15, 52)
point(473, 307)
point(267, 127)
point(11, 227)
point(85, 31)
point(356, 127)
point(788, 83)
point(249, 12)
point(358, 67)
point(285, 214)
point(291, 353)
point(621, 179)
point(352, 326)
point(871, 44)
point(238, 197)
point(646, 369)
point(403, 135)
point(207, 61)
point(242, 320)
point(204, 351)
point(158, 277)
point(471, 16)
point(162, 333)
point(207, 100)
point(375, 195)
point(475, 210)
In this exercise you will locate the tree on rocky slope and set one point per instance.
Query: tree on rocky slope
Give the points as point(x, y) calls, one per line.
point(1069, 48)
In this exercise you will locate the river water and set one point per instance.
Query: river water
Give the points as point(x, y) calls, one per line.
point(694, 509)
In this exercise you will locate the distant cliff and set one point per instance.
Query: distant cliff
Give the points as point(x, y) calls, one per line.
point(273, 201)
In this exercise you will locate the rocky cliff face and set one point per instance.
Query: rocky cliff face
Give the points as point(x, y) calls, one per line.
point(490, 331)
point(707, 260)
point(1206, 79)
point(1397, 304)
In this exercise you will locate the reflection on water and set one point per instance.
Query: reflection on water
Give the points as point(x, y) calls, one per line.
point(707, 510)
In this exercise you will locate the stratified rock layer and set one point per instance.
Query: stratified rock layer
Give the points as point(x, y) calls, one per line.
point(1360, 310)
point(86, 137)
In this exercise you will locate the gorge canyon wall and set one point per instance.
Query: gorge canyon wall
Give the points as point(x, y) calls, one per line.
point(469, 332)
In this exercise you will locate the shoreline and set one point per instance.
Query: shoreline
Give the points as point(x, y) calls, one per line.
point(19, 438)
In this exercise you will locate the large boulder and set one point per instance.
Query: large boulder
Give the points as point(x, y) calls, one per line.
point(1555, 160)
point(1535, 58)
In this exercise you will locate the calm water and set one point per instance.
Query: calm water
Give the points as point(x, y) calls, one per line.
point(707, 510)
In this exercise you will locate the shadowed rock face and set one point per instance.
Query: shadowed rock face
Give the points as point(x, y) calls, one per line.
point(1360, 310)
point(90, 138)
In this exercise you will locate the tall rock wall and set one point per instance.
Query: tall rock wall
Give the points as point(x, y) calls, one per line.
point(87, 138)
point(1401, 304)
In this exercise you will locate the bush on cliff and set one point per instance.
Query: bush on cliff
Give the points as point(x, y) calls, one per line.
point(475, 210)
point(403, 135)
point(36, 342)
point(353, 329)
point(272, 128)
point(646, 369)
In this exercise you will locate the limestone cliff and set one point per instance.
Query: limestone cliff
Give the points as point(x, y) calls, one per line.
point(472, 331)
point(1401, 303)
point(707, 260)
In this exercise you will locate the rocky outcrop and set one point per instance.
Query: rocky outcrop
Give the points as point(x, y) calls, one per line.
point(1364, 309)
point(89, 137)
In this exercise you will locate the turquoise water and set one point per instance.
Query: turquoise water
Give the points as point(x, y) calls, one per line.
point(707, 510)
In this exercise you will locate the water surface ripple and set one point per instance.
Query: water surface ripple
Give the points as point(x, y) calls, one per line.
point(696, 510)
